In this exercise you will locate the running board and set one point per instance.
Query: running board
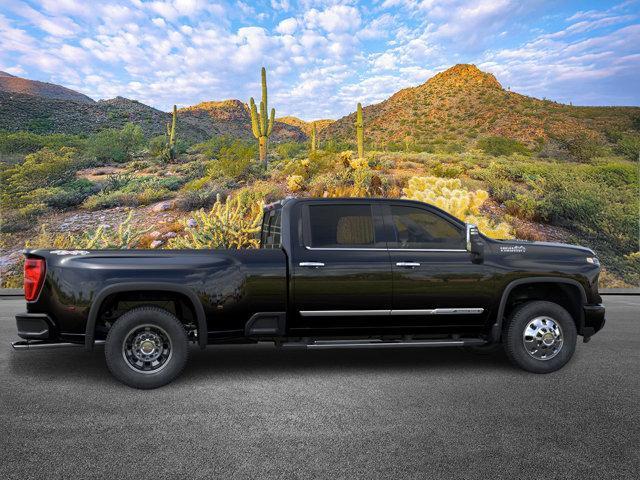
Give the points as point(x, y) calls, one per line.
point(38, 345)
point(326, 344)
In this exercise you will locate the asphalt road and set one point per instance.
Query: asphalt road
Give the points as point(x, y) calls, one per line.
point(258, 412)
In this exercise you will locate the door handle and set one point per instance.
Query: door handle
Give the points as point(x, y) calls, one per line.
point(311, 264)
point(408, 264)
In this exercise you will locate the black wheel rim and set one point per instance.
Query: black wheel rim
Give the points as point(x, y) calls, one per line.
point(147, 349)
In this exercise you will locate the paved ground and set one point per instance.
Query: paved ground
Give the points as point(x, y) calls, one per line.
point(256, 412)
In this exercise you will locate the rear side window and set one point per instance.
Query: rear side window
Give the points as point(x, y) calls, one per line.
point(341, 226)
point(271, 229)
point(418, 228)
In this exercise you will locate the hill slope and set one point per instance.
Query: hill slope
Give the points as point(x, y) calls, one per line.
point(305, 126)
point(232, 118)
point(12, 84)
point(463, 103)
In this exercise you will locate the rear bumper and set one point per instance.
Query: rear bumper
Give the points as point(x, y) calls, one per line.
point(594, 319)
point(34, 326)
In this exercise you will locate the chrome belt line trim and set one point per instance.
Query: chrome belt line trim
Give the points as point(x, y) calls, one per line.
point(368, 313)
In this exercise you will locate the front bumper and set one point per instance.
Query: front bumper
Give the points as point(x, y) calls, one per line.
point(594, 320)
point(34, 326)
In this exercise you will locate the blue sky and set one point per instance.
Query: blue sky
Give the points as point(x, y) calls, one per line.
point(321, 56)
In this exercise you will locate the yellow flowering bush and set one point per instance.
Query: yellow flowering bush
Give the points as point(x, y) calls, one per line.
point(449, 195)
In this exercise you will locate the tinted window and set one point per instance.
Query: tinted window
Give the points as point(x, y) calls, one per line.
point(271, 229)
point(418, 228)
point(335, 226)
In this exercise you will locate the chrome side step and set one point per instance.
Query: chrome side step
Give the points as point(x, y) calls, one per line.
point(372, 343)
point(40, 345)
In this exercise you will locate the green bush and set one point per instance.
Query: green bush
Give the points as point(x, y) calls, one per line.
point(116, 145)
point(233, 160)
point(28, 142)
point(629, 146)
point(582, 146)
point(289, 150)
point(42, 169)
point(498, 146)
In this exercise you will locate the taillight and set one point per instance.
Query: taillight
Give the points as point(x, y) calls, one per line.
point(34, 272)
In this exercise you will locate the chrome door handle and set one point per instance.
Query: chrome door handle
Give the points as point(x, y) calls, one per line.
point(407, 264)
point(311, 264)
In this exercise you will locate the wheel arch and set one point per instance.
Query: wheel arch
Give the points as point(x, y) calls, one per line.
point(110, 290)
point(576, 286)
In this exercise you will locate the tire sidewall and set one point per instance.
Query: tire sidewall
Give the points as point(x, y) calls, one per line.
point(515, 348)
point(135, 318)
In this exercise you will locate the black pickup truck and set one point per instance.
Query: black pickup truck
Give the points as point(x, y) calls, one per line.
point(330, 273)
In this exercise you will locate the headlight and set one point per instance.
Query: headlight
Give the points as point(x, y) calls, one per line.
point(593, 260)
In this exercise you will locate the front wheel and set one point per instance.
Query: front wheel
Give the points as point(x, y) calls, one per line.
point(147, 347)
point(540, 337)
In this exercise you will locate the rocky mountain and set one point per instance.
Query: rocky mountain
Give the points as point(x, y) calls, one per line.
point(464, 103)
point(16, 85)
point(305, 126)
point(56, 109)
point(232, 117)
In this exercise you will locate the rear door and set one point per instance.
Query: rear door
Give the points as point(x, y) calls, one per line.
point(342, 273)
point(435, 283)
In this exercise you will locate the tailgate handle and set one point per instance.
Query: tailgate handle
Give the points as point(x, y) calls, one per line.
point(408, 264)
point(311, 264)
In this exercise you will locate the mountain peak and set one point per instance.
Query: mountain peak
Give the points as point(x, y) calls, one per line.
point(5, 74)
point(465, 75)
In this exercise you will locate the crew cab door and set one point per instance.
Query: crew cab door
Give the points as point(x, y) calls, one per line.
point(341, 268)
point(435, 282)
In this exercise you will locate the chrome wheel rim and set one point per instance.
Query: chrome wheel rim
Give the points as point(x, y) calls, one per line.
point(146, 349)
point(542, 338)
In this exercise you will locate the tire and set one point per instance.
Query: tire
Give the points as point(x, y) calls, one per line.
point(540, 337)
point(147, 347)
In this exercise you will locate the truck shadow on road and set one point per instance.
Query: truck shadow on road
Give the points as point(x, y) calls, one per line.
point(267, 360)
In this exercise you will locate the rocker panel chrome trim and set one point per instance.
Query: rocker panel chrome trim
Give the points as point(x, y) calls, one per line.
point(377, 313)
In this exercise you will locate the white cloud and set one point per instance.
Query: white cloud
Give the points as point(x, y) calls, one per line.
point(335, 19)
point(287, 26)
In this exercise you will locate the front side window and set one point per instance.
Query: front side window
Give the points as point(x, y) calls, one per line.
point(341, 226)
point(421, 229)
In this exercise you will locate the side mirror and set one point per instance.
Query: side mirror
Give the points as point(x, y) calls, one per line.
point(475, 244)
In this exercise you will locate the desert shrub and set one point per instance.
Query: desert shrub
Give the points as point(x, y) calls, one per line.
point(126, 198)
point(449, 195)
point(234, 159)
point(27, 142)
point(288, 150)
point(69, 195)
point(498, 146)
point(116, 145)
point(581, 146)
point(261, 192)
point(523, 206)
point(629, 146)
point(447, 170)
point(190, 200)
point(121, 237)
point(227, 225)
point(295, 183)
point(45, 168)
point(157, 145)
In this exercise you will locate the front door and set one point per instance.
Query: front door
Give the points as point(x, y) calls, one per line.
point(435, 283)
point(342, 273)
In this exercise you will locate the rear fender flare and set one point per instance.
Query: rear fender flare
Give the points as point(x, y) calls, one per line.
point(496, 330)
point(90, 329)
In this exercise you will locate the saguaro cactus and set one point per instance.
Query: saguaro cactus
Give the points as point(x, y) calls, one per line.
point(360, 132)
point(314, 138)
point(260, 124)
point(171, 136)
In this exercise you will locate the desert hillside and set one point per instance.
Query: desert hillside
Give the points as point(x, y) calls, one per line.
point(464, 103)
